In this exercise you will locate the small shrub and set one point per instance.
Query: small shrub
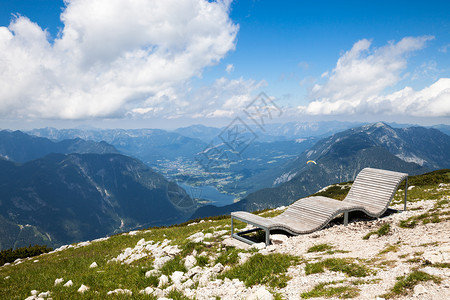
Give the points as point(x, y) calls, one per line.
point(152, 281)
point(389, 248)
point(338, 265)
point(323, 290)
point(10, 255)
point(405, 284)
point(177, 295)
point(320, 248)
point(229, 257)
point(383, 230)
point(202, 261)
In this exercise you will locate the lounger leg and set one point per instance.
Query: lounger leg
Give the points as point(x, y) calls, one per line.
point(406, 191)
point(232, 229)
point(267, 237)
point(346, 218)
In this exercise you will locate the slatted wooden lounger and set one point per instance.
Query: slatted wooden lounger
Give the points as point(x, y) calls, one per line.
point(371, 192)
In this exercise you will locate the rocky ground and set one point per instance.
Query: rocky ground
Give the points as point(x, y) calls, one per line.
point(430, 242)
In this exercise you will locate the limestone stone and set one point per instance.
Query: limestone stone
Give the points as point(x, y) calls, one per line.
point(163, 280)
point(261, 294)
point(190, 261)
point(83, 289)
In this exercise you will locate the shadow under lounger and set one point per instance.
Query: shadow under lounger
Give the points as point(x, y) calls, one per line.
point(371, 193)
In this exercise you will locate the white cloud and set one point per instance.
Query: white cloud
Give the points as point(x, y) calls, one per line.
point(444, 48)
point(111, 58)
point(224, 98)
point(229, 68)
point(362, 74)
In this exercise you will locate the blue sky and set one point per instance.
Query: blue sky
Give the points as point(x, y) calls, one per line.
point(175, 63)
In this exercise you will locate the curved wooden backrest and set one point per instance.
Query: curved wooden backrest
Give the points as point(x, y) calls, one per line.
point(374, 189)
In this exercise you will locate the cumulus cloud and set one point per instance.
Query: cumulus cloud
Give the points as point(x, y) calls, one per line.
point(112, 57)
point(362, 74)
point(224, 98)
point(229, 68)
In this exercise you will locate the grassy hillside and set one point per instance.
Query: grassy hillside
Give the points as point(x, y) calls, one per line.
point(216, 263)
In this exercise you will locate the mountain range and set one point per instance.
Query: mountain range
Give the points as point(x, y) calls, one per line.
point(339, 158)
point(77, 186)
point(61, 199)
point(21, 147)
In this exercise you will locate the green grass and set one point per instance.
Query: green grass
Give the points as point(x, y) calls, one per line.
point(425, 218)
point(263, 269)
point(202, 261)
point(173, 265)
point(325, 290)
point(338, 191)
point(74, 264)
point(389, 248)
point(177, 295)
point(229, 256)
point(319, 248)
point(344, 265)
point(405, 284)
point(383, 230)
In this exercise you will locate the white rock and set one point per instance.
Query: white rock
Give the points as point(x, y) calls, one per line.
point(258, 246)
point(208, 235)
point(83, 289)
point(173, 287)
point(44, 294)
point(93, 265)
point(190, 261)
point(204, 279)
point(411, 187)
point(30, 298)
point(7, 277)
point(141, 242)
point(172, 250)
point(196, 236)
point(420, 290)
point(34, 292)
point(243, 257)
point(120, 291)
point(176, 277)
point(221, 232)
point(278, 239)
point(133, 232)
point(163, 280)
point(147, 291)
point(187, 284)
point(194, 271)
point(158, 293)
point(217, 268)
point(261, 294)
point(198, 240)
point(159, 262)
point(151, 273)
point(440, 255)
point(83, 244)
point(68, 283)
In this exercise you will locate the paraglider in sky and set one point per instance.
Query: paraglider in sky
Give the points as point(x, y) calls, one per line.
point(311, 161)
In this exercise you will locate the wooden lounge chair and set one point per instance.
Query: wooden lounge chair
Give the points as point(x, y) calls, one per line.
point(371, 193)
